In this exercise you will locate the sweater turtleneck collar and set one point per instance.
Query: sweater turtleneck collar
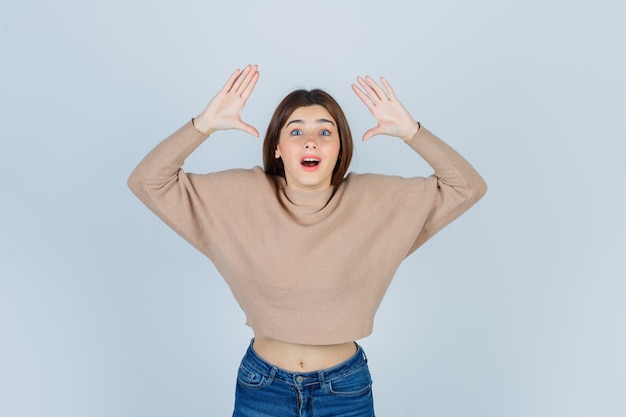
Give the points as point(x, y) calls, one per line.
point(304, 203)
point(315, 200)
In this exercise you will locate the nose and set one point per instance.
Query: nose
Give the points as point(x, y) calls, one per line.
point(310, 143)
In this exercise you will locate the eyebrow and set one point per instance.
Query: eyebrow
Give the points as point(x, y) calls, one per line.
point(318, 121)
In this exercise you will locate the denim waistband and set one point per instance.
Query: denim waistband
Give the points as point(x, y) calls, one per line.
point(305, 378)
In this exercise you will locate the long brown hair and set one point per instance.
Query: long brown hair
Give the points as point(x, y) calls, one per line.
point(293, 101)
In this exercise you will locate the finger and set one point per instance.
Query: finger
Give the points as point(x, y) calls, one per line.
point(372, 89)
point(231, 80)
point(250, 84)
point(248, 128)
point(241, 78)
point(371, 133)
point(247, 79)
point(364, 97)
point(390, 93)
point(368, 90)
point(380, 93)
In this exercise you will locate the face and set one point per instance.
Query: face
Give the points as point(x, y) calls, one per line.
point(309, 145)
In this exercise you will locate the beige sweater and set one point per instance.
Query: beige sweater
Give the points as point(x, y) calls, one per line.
point(306, 267)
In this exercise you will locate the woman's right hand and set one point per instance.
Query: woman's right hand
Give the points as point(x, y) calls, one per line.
point(224, 110)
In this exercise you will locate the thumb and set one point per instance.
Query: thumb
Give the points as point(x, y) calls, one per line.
point(248, 128)
point(372, 132)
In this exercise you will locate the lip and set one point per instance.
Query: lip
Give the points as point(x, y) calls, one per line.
point(310, 168)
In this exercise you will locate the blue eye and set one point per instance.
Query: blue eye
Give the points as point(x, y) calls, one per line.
point(296, 132)
point(325, 132)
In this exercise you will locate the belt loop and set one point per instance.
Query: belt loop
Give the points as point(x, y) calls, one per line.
point(272, 375)
point(320, 375)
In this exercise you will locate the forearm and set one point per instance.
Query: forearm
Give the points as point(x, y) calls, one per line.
point(456, 184)
point(162, 164)
point(450, 167)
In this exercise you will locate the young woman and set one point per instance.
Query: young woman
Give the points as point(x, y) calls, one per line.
point(307, 251)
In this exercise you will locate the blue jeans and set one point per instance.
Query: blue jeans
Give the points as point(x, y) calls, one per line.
point(263, 390)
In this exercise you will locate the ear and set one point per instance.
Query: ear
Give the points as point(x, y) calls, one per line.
point(277, 152)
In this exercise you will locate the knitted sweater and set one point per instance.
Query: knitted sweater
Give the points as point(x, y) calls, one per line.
point(306, 267)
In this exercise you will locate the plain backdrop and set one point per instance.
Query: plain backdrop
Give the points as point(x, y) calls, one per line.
point(515, 310)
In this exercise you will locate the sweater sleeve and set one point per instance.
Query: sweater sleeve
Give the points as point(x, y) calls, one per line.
point(455, 183)
point(161, 184)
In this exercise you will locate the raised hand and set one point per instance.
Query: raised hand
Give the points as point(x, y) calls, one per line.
point(224, 110)
point(391, 116)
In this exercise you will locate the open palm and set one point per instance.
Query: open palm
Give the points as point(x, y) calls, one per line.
point(391, 116)
point(224, 110)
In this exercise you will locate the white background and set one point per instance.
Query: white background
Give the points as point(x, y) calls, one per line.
point(516, 309)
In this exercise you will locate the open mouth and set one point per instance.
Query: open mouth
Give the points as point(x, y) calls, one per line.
point(310, 162)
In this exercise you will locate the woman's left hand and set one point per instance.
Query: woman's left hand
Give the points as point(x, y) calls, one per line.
point(392, 117)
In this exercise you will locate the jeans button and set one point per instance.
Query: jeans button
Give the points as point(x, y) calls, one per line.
point(299, 379)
